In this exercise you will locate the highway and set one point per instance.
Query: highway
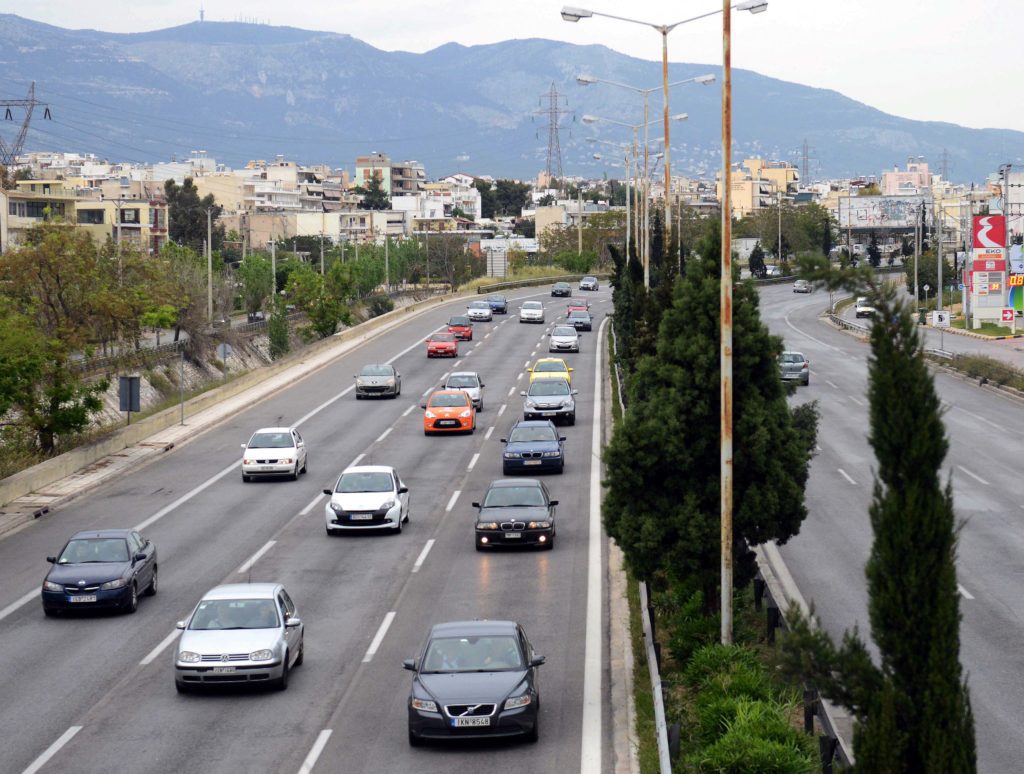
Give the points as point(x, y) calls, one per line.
point(95, 693)
point(827, 558)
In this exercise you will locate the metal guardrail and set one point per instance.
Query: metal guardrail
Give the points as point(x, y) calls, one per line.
point(848, 325)
point(524, 283)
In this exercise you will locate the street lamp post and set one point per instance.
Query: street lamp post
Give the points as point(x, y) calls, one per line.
point(625, 158)
point(725, 345)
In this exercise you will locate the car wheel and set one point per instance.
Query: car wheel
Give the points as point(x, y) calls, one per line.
point(182, 687)
point(561, 468)
point(330, 532)
point(151, 589)
point(534, 734)
point(302, 652)
point(572, 418)
point(807, 382)
point(481, 406)
point(305, 463)
point(550, 544)
point(360, 397)
point(49, 612)
point(295, 473)
point(414, 741)
point(281, 683)
point(133, 600)
point(246, 479)
point(398, 527)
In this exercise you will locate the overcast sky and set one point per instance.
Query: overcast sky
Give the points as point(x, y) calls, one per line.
point(941, 60)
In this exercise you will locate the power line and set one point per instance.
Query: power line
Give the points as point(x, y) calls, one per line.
point(9, 155)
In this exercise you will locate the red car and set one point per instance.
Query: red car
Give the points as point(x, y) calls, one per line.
point(582, 305)
point(442, 345)
point(461, 327)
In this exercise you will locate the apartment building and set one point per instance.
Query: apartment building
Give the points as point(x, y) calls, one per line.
point(758, 184)
point(406, 178)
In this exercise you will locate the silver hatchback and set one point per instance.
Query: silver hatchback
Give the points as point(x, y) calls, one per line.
point(564, 338)
point(794, 367)
point(239, 633)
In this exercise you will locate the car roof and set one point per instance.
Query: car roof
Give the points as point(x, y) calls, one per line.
point(368, 469)
point(505, 483)
point(93, 534)
point(551, 360)
point(447, 392)
point(243, 591)
point(274, 430)
point(478, 628)
point(568, 328)
point(463, 373)
point(533, 423)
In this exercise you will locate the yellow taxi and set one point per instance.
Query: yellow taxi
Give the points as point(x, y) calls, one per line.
point(550, 368)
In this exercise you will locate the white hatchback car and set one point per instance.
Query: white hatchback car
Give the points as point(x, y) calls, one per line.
point(468, 381)
point(479, 311)
point(274, 451)
point(531, 311)
point(367, 497)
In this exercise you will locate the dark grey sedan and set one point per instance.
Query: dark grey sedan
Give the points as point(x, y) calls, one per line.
point(472, 680)
point(515, 512)
point(378, 380)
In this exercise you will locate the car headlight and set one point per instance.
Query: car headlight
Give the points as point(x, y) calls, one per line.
point(515, 702)
point(120, 583)
point(424, 704)
point(246, 461)
point(430, 414)
point(539, 525)
point(552, 454)
point(466, 414)
point(337, 508)
point(285, 461)
point(51, 586)
point(188, 657)
point(512, 455)
point(261, 655)
point(487, 525)
point(531, 404)
point(390, 382)
point(388, 505)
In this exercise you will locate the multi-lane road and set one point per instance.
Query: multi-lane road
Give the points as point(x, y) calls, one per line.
point(827, 558)
point(96, 693)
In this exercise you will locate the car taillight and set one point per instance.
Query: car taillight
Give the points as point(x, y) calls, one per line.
point(805, 366)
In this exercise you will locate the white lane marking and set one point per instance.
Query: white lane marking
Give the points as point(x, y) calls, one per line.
point(454, 497)
point(315, 750)
point(975, 476)
point(858, 401)
point(456, 365)
point(472, 462)
point(378, 638)
point(383, 435)
point(417, 343)
point(488, 335)
point(511, 390)
point(324, 405)
point(846, 475)
point(409, 410)
point(803, 333)
point(247, 565)
point(502, 409)
point(19, 602)
point(980, 418)
point(592, 740)
point(52, 750)
point(356, 461)
point(964, 592)
point(423, 555)
point(151, 657)
point(542, 339)
point(185, 497)
point(519, 377)
point(487, 435)
point(312, 504)
point(832, 384)
point(469, 353)
point(526, 364)
point(534, 351)
point(818, 447)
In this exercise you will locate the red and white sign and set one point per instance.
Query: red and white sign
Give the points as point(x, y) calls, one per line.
point(989, 231)
point(988, 262)
point(1007, 315)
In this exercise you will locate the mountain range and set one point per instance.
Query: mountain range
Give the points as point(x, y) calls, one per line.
point(248, 91)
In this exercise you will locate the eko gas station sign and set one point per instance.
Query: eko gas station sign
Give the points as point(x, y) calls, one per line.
point(989, 279)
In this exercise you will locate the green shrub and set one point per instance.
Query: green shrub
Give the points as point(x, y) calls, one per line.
point(689, 628)
point(575, 263)
point(713, 660)
point(277, 331)
point(378, 304)
point(757, 740)
point(990, 369)
point(160, 383)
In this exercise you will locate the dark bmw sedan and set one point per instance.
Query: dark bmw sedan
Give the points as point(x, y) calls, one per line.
point(474, 679)
point(515, 512)
point(107, 568)
point(533, 446)
point(499, 304)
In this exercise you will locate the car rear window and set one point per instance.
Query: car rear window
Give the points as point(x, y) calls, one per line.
point(549, 387)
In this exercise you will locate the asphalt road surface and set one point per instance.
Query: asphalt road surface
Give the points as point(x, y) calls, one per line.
point(95, 693)
point(827, 558)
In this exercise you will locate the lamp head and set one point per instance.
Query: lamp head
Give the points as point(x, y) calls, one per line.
point(705, 79)
point(571, 14)
point(754, 6)
point(597, 156)
point(680, 116)
point(585, 80)
point(588, 119)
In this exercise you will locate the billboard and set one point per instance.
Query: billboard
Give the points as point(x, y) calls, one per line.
point(867, 212)
point(989, 231)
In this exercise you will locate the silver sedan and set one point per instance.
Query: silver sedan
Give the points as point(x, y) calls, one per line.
point(564, 338)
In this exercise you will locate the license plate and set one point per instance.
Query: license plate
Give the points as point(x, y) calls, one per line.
point(512, 535)
point(266, 467)
point(548, 413)
point(447, 423)
point(82, 598)
point(222, 670)
point(470, 722)
point(361, 516)
point(532, 462)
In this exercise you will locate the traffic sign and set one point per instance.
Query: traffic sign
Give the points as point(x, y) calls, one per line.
point(1007, 315)
point(960, 286)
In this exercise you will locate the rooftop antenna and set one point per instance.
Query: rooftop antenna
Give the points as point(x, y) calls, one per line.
point(202, 13)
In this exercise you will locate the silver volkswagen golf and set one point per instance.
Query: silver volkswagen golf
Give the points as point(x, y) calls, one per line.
point(239, 633)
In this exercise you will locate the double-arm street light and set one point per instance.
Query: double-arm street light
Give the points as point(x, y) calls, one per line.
point(627, 151)
point(571, 14)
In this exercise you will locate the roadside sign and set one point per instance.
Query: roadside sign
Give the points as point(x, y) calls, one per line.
point(223, 350)
point(1007, 315)
point(989, 231)
point(960, 286)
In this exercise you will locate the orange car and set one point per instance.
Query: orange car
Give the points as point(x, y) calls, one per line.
point(442, 345)
point(449, 411)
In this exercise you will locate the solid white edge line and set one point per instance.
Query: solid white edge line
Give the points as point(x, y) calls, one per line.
point(501, 410)
point(592, 741)
point(487, 435)
point(451, 501)
point(151, 657)
point(378, 638)
point(858, 401)
point(423, 555)
point(186, 497)
point(975, 476)
point(315, 750)
point(312, 504)
point(52, 750)
point(409, 410)
point(472, 462)
point(964, 592)
point(846, 475)
point(383, 435)
point(247, 565)
point(19, 603)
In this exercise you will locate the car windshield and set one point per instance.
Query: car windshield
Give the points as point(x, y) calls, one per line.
point(549, 387)
point(365, 481)
point(214, 614)
point(561, 285)
point(271, 441)
point(462, 381)
point(479, 305)
point(448, 400)
point(532, 305)
point(590, 279)
point(376, 370)
point(443, 337)
point(94, 550)
point(564, 331)
point(511, 496)
point(459, 321)
point(494, 653)
point(498, 299)
point(548, 366)
point(792, 357)
point(527, 434)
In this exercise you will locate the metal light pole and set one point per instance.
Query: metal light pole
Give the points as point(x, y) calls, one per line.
point(209, 264)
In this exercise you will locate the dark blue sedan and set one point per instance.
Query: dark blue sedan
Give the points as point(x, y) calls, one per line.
point(532, 446)
point(499, 304)
point(107, 568)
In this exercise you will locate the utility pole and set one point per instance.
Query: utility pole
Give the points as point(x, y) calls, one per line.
point(209, 264)
point(938, 290)
point(579, 217)
point(918, 238)
point(321, 252)
point(646, 204)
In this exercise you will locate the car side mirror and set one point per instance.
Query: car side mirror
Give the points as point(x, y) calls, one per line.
point(245, 446)
point(523, 393)
point(475, 505)
point(530, 370)
point(561, 438)
point(423, 405)
point(139, 557)
point(575, 392)
point(572, 369)
point(410, 664)
point(403, 489)
point(52, 559)
point(482, 384)
point(553, 502)
point(291, 623)
point(503, 440)
point(179, 625)
point(328, 492)
point(537, 661)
